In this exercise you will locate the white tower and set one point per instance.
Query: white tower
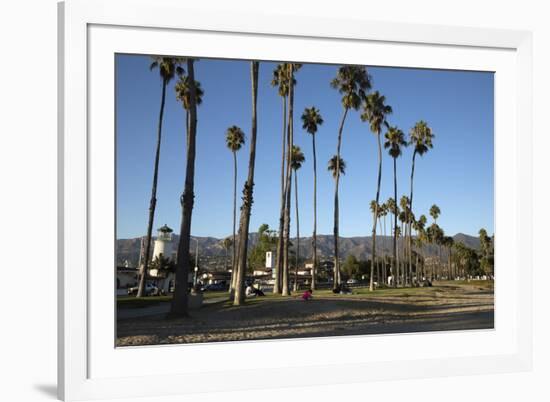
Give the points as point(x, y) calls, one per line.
point(269, 259)
point(163, 243)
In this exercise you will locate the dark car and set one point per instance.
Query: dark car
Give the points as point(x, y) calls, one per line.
point(214, 287)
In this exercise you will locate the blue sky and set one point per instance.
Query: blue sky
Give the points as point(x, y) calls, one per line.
point(457, 174)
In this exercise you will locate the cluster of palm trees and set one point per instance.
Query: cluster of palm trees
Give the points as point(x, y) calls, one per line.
point(354, 84)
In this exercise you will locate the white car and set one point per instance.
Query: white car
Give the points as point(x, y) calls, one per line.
point(352, 281)
point(149, 290)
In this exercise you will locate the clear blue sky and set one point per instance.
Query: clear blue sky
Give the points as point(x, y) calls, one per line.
point(457, 174)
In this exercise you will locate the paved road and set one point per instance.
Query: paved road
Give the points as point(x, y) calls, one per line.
point(160, 308)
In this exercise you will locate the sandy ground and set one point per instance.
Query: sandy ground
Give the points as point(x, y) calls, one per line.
point(440, 308)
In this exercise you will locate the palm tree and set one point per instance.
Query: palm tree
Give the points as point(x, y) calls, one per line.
point(375, 208)
point(395, 140)
point(297, 159)
point(404, 218)
point(290, 69)
point(334, 164)
point(182, 94)
point(352, 82)
point(168, 67)
point(234, 139)
point(179, 300)
point(410, 220)
point(385, 212)
point(435, 236)
point(337, 166)
point(419, 227)
point(435, 212)
point(440, 241)
point(448, 242)
point(420, 137)
point(392, 208)
point(280, 80)
point(375, 111)
point(227, 243)
point(246, 207)
point(311, 120)
point(397, 234)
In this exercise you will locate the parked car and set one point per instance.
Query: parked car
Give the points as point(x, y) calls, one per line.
point(352, 281)
point(150, 290)
point(214, 287)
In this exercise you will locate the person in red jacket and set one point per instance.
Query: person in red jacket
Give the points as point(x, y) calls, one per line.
point(308, 295)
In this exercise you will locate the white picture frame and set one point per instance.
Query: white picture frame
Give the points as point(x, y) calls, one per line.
point(89, 31)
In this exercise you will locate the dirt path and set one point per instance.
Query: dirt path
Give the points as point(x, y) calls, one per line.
point(433, 309)
point(156, 309)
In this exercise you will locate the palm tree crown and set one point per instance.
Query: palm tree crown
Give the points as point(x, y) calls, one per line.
point(422, 220)
point(404, 202)
point(420, 137)
point(297, 158)
point(352, 82)
point(168, 66)
point(281, 77)
point(395, 140)
point(375, 111)
point(227, 243)
point(391, 205)
point(335, 161)
point(183, 93)
point(311, 119)
point(434, 212)
point(234, 138)
point(374, 207)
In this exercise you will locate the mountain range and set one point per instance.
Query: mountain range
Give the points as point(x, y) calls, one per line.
point(210, 248)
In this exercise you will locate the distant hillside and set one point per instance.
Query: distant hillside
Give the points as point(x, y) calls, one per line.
point(210, 248)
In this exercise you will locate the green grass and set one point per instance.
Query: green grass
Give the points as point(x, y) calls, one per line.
point(478, 283)
point(381, 292)
point(359, 292)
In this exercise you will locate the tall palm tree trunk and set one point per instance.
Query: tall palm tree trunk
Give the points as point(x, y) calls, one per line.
point(371, 285)
point(407, 254)
point(285, 281)
point(380, 261)
point(225, 261)
point(384, 271)
point(449, 263)
point(336, 281)
point(288, 188)
point(411, 201)
point(233, 276)
point(280, 240)
point(425, 269)
point(246, 208)
point(179, 300)
point(440, 268)
point(394, 230)
point(399, 257)
point(153, 202)
point(297, 232)
point(314, 268)
point(417, 268)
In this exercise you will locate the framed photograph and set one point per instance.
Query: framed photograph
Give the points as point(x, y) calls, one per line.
point(260, 201)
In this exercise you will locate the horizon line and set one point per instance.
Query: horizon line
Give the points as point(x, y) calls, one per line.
point(301, 237)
